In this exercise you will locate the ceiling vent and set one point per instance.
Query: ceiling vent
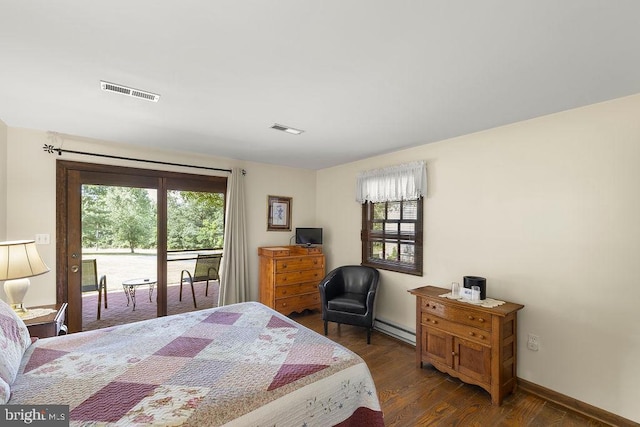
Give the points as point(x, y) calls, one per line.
point(128, 91)
point(286, 129)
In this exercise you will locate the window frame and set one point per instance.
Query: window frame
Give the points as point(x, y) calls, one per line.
point(368, 236)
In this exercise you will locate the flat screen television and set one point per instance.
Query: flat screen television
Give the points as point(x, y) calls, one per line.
point(308, 236)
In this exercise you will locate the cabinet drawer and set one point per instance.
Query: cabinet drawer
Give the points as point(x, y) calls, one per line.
point(470, 333)
point(293, 290)
point(298, 303)
point(468, 316)
point(299, 263)
point(302, 276)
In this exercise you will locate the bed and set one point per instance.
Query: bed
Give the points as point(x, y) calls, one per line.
point(238, 365)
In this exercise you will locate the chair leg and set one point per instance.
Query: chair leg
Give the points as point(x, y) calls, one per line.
point(368, 335)
point(180, 297)
point(206, 290)
point(326, 331)
point(100, 299)
point(194, 296)
point(105, 297)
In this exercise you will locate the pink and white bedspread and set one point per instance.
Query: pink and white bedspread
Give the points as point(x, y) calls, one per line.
point(238, 365)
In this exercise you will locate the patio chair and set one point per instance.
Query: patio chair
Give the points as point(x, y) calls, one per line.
point(90, 281)
point(207, 267)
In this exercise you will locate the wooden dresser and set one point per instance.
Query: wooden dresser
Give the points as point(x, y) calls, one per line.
point(476, 344)
point(289, 277)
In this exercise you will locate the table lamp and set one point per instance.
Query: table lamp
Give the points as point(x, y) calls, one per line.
point(19, 260)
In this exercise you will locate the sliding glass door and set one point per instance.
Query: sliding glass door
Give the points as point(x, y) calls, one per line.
point(119, 254)
point(144, 220)
point(195, 230)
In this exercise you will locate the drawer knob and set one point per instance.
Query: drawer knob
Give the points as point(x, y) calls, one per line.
point(435, 322)
point(284, 265)
point(481, 337)
point(472, 334)
point(471, 317)
point(481, 320)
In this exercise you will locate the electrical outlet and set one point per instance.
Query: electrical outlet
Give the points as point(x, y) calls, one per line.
point(533, 343)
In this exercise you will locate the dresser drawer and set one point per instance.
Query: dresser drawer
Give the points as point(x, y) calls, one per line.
point(299, 263)
point(298, 303)
point(292, 290)
point(467, 315)
point(302, 276)
point(470, 333)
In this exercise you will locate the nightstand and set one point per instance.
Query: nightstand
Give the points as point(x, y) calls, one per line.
point(48, 325)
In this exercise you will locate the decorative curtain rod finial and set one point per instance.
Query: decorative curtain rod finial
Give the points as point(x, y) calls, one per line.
point(49, 149)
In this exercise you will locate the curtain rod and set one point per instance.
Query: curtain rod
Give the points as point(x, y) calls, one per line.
point(50, 149)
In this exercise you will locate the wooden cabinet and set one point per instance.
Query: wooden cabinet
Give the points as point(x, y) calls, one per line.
point(473, 343)
point(48, 325)
point(289, 277)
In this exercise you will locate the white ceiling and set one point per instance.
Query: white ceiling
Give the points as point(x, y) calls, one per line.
point(361, 77)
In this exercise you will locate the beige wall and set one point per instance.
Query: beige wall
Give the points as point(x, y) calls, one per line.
point(3, 181)
point(31, 194)
point(548, 210)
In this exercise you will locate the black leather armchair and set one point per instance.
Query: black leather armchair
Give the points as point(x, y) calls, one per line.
point(348, 295)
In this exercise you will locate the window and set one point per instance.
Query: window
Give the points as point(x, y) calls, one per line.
point(392, 235)
point(392, 200)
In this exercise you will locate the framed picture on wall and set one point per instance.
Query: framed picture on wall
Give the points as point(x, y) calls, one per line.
point(278, 213)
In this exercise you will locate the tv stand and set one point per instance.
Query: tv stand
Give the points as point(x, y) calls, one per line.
point(289, 277)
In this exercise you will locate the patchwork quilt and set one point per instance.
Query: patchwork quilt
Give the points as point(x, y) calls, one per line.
point(238, 365)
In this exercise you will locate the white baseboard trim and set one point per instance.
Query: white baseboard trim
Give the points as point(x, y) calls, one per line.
point(395, 331)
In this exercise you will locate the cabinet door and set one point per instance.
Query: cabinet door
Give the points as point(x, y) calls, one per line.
point(436, 345)
point(472, 360)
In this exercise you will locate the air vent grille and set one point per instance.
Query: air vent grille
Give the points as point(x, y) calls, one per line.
point(286, 129)
point(124, 90)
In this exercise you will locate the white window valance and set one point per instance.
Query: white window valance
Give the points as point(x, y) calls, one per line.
point(401, 182)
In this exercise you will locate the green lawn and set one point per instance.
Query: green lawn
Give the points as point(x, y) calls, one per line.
point(119, 266)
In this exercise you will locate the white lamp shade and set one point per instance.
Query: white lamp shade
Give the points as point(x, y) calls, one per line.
point(20, 259)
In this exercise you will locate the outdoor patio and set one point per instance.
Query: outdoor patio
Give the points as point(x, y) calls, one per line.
point(119, 266)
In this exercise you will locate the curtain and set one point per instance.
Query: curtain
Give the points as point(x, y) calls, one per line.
point(234, 274)
point(401, 182)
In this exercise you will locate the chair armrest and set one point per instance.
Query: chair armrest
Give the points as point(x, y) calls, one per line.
point(189, 278)
point(331, 286)
point(371, 296)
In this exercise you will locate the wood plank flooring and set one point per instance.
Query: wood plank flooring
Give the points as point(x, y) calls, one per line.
point(410, 396)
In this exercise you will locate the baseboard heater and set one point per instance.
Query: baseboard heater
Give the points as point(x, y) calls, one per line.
point(395, 331)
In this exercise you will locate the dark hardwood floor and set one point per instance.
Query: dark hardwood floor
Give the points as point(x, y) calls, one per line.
point(410, 396)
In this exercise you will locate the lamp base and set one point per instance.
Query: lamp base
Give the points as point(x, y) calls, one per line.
point(20, 309)
point(15, 290)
